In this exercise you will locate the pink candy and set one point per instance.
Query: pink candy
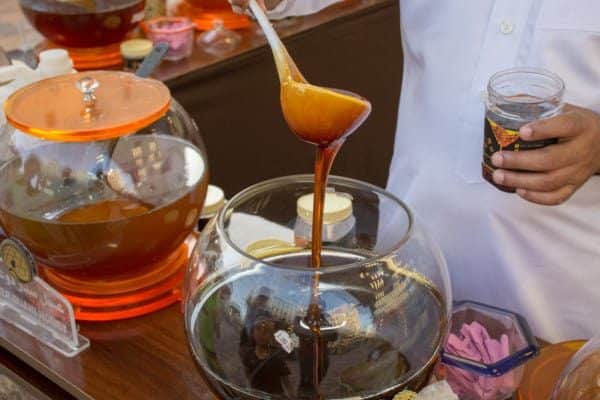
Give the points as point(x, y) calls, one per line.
point(474, 343)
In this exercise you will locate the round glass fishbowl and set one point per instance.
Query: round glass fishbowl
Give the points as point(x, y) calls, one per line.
point(580, 380)
point(264, 324)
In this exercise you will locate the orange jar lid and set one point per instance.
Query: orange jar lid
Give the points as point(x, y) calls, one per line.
point(88, 106)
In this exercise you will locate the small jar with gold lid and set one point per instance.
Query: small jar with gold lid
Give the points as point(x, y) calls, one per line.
point(338, 219)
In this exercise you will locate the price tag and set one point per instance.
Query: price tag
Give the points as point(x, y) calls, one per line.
point(33, 306)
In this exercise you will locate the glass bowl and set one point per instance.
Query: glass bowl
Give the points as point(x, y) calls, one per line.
point(263, 324)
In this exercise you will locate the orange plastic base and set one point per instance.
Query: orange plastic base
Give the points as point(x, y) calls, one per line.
point(204, 21)
point(542, 373)
point(120, 297)
point(90, 58)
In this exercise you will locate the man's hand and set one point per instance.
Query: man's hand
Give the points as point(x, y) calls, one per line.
point(552, 174)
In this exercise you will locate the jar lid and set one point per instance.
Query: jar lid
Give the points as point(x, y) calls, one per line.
point(58, 57)
point(87, 106)
point(215, 199)
point(136, 48)
point(337, 208)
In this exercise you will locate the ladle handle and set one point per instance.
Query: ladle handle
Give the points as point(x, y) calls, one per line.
point(286, 67)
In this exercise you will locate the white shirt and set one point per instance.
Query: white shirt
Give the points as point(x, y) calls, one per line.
point(540, 261)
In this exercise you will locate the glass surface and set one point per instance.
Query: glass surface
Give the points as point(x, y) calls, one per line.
point(92, 216)
point(581, 378)
point(263, 324)
point(83, 23)
point(87, 208)
point(219, 40)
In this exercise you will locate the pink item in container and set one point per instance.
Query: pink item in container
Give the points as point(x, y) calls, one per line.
point(474, 343)
point(178, 32)
point(485, 351)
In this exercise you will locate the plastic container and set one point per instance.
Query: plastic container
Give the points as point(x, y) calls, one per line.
point(517, 97)
point(54, 62)
point(580, 380)
point(178, 32)
point(484, 356)
point(339, 223)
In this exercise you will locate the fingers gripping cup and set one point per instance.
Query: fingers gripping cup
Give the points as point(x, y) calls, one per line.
point(517, 97)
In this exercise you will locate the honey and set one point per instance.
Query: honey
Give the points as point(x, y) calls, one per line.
point(108, 210)
point(83, 23)
point(75, 222)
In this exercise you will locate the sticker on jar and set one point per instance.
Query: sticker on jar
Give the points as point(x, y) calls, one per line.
point(286, 341)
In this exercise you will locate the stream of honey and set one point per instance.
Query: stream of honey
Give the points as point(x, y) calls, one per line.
point(325, 118)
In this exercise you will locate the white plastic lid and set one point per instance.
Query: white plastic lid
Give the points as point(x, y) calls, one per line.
point(338, 207)
point(55, 62)
point(215, 199)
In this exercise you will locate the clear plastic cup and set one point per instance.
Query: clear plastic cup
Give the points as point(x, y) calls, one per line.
point(178, 32)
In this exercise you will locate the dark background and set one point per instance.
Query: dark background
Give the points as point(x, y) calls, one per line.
point(236, 103)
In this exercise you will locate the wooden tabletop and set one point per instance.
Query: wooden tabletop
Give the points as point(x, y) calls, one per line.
point(140, 358)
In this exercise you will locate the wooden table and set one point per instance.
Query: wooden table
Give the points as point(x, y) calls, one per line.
point(140, 358)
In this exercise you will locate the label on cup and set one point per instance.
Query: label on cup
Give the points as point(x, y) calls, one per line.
point(497, 138)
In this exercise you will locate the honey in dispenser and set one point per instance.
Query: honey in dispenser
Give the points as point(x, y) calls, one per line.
point(90, 30)
point(104, 189)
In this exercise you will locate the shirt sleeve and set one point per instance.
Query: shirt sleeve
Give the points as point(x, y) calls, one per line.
point(292, 8)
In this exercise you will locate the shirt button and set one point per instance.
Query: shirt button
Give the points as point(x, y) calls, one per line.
point(507, 27)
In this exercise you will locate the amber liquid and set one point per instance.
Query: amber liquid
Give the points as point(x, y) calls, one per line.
point(107, 210)
point(83, 23)
point(355, 364)
point(75, 222)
